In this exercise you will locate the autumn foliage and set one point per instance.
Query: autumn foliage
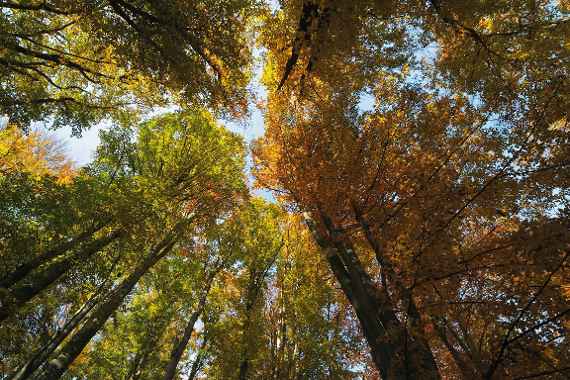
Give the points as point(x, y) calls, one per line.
point(414, 161)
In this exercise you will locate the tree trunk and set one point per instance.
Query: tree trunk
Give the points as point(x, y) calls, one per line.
point(199, 362)
point(20, 295)
point(33, 364)
point(256, 279)
point(24, 269)
point(56, 367)
point(396, 353)
point(252, 293)
point(180, 345)
point(389, 275)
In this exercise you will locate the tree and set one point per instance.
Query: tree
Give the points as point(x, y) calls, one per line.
point(285, 319)
point(417, 150)
point(405, 179)
point(165, 186)
point(471, 47)
point(77, 63)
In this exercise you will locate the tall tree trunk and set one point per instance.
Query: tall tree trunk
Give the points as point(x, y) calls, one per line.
point(404, 294)
point(257, 277)
point(199, 361)
point(244, 363)
point(20, 295)
point(40, 357)
point(252, 292)
point(180, 344)
point(396, 353)
point(22, 270)
point(56, 367)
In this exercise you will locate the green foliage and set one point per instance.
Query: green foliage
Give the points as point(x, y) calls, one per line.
point(425, 143)
point(76, 63)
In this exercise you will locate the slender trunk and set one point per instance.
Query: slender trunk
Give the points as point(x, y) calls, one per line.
point(396, 354)
point(465, 367)
point(180, 345)
point(256, 281)
point(199, 361)
point(20, 295)
point(23, 270)
point(33, 364)
point(244, 364)
point(282, 352)
point(56, 367)
point(252, 292)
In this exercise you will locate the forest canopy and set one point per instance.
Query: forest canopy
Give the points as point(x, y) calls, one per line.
point(404, 215)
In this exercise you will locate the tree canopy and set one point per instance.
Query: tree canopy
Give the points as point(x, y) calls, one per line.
point(414, 217)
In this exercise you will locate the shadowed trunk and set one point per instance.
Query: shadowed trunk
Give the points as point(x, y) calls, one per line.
point(20, 295)
point(397, 353)
point(56, 367)
point(180, 345)
point(24, 269)
point(38, 359)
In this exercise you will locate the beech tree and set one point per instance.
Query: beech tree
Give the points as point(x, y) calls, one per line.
point(441, 179)
point(165, 187)
point(75, 63)
point(417, 157)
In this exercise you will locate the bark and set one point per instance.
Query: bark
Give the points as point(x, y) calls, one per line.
point(24, 269)
point(180, 345)
point(396, 353)
point(32, 365)
point(56, 367)
point(255, 283)
point(20, 295)
point(199, 362)
point(389, 275)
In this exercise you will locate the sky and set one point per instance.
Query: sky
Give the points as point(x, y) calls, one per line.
point(81, 149)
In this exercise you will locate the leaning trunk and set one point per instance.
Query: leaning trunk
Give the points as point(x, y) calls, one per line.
point(55, 368)
point(180, 345)
point(396, 353)
point(20, 295)
point(33, 364)
point(24, 269)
